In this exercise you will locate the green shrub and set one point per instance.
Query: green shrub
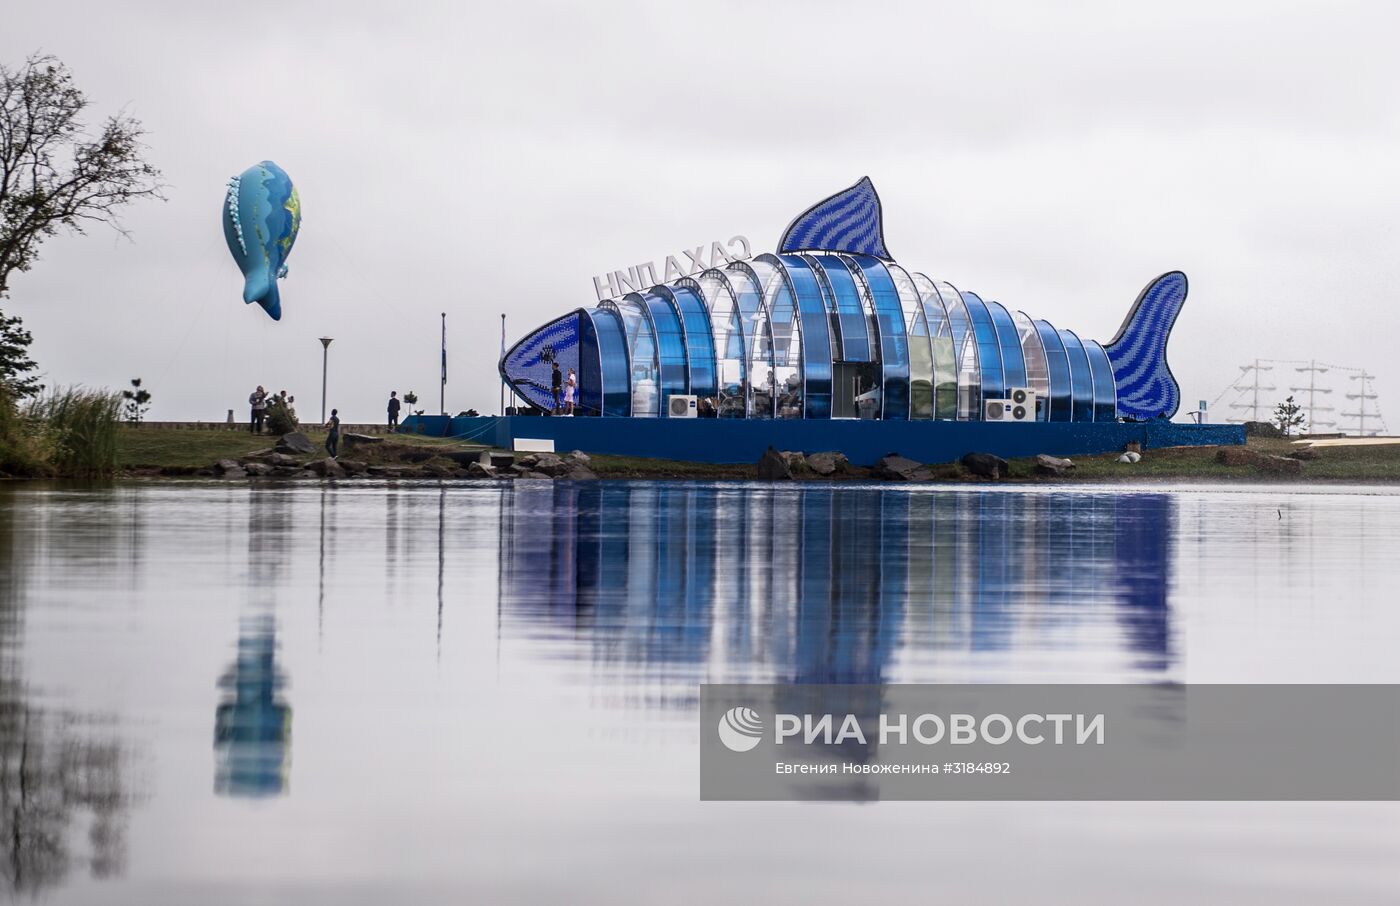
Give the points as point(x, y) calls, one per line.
point(81, 431)
point(280, 420)
point(24, 450)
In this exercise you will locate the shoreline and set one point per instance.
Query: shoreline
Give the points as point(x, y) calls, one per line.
point(179, 455)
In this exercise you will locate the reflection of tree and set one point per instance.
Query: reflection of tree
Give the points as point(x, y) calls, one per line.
point(59, 773)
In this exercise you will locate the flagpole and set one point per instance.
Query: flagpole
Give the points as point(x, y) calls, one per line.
point(442, 387)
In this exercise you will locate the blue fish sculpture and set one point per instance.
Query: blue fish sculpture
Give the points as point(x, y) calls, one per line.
point(832, 327)
point(262, 214)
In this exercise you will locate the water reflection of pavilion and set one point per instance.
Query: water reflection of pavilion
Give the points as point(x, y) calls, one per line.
point(835, 584)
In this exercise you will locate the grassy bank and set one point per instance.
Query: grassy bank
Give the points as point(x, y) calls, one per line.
point(141, 450)
point(161, 448)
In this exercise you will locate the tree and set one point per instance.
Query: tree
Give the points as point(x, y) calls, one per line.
point(54, 174)
point(1288, 415)
point(137, 401)
point(16, 367)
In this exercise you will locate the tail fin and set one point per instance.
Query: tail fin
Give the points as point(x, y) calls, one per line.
point(1146, 387)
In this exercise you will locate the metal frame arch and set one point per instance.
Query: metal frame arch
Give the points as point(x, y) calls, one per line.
point(718, 281)
point(761, 294)
point(595, 315)
point(911, 300)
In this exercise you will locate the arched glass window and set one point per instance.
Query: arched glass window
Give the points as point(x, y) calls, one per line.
point(1013, 361)
point(782, 389)
point(641, 353)
point(1105, 386)
point(699, 344)
point(849, 325)
point(1061, 400)
point(758, 335)
point(984, 334)
point(916, 324)
point(955, 363)
point(727, 329)
point(1037, 369)
point(1081, 381)
point(610, 395)
point(813, 399)
point(883, 299)
point(670, 345)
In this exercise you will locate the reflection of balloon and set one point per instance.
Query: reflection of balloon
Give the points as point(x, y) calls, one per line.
point(262, 214)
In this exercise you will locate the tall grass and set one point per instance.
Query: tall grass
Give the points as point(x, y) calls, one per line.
point(24, 450)
point(80, 430)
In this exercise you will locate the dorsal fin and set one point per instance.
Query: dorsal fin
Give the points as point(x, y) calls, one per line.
point(1146, 387)
point(849, 221)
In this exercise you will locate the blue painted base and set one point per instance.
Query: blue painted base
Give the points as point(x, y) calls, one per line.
point(863, 442)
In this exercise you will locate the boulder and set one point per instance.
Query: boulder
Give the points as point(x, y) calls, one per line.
point(828, 463)
point(481, 470)
point(282, 459)
point(986, 465)
point(1261, 429)
point(295, 442)
point(578, 472)
point(239, 473)
point(257, 469)
point(580, 456)
point(224, 466)
point(893, 467)
point(326, 468)
point(773, 466)
point(351, 441)
point(1051, 465)
point(1130, 456)
point(1237, 456)
point(550, 464)
point(353, 466)
point(776, 465)
point(1281, 465)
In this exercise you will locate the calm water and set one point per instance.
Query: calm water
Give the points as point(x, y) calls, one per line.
point(369, 694)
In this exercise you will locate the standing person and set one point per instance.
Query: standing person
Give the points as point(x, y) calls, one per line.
point(570, 391)
point(333, 437)
point(393, 410)
point(258, 401)
point(555, 380)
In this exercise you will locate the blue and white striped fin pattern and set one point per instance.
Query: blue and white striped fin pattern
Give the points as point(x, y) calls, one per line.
point(528, 366)
point(1146, 387)
point(849, 221)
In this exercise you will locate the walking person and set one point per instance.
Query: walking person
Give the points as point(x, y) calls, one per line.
point(393, 410)
point(556, 379)
point(570, 392)
point(258, 401)
point(333, 437)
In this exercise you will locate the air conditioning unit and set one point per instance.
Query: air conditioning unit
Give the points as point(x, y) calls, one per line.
point(1023, 401)
point(679, 406)
point(1011, 410)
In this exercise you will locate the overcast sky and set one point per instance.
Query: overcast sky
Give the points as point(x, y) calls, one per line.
point(480, 158)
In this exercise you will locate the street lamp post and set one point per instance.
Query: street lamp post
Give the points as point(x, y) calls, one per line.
point(325, 356)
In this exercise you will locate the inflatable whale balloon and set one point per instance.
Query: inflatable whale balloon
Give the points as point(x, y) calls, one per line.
point(262, 214)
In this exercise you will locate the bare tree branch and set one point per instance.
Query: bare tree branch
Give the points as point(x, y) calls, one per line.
point(54, 175)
